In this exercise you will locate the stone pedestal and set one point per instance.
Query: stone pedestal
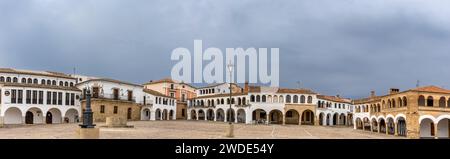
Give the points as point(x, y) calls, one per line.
point(230, 131)
point(88, 133)
point(116, 122)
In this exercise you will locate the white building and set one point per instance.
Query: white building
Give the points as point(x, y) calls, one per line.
point(254, 104)
point(333, 110)
point(34, 97)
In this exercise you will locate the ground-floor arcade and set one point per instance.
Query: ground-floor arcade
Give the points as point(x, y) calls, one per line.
point(16, 115)
point(158, 113)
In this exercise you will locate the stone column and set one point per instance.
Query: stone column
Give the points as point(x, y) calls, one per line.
point(23, 119)
point(267, 118)
point(387, 129)
point(395, 129)
point(371, 127)
point(225, 117)
point(284, 120)
point(379, 128)
point(436, 136)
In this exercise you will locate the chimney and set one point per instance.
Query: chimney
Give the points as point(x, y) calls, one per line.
point(372, 93)
point(338, 96)
point(246, 87)
point(394, 90)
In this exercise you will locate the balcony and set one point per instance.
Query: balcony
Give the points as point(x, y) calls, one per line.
point(111, 97)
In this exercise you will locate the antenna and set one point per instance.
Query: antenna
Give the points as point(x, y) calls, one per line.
point(418, 83)
point(298, 83)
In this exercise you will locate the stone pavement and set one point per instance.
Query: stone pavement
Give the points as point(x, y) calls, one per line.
point(191, 130)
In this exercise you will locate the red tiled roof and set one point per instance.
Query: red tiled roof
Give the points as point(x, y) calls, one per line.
point(433, 89)
point(334, 99)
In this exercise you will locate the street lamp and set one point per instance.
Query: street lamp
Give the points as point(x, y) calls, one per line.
point(230, 124)
point(87, 114)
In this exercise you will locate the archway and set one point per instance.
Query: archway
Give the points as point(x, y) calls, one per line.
point(390, 126)
point(401, 126)
point(374, 125)
point(321, 115)
point(53, 116)
point(158, 114)
point(342, 120)
point(220, 115)
point(359, 123)
point(335, 118)
point(230, 115)
point(13, 115)
point(292, 117)
point(427, 128)
point(29, 117)
point(72, 116)
point(259, 116)
point(171, 115)
point(308, 117)
point(145, 115)
point(129, 111)
point(350, 119)
point(382, 126)
point(165, 114)
point(201, 114)
point(276, 117)
point(34, 116)
point(241, 115)
point(210, 115)
point(443, 128)
point(366, 123)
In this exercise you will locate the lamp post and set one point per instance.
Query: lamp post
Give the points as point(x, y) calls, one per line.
point(87, 114)
point(230, 124)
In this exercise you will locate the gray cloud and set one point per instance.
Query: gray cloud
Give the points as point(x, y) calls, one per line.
point(344, 47)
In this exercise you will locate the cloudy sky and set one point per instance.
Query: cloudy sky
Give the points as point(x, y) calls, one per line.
point(345, 47)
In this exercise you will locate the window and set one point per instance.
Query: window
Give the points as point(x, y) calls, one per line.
point(30, 81)
point(130, 95)
point(2, 79)
point(421, 101)
point(71, 84)
point(34, 97)
point(183, 97)
point(28, 98)
point(15, 80)
point(172, 86)
point(115, 109)
point(35, 81)
point(302, 99)
point(66, 84)
point(49, 82)
point(8, 79)
point(60, 98)
point(172, 94)
point(67, 99)
point(49, 98)
point(41, 97)
point(430, 101)
point(310, 99)
point(102, 109)
point(54, 98)
point(72, 98)
point(54, 82)
point(288, 99)
point(19, 96)
point(13, 96)
point(43, 81)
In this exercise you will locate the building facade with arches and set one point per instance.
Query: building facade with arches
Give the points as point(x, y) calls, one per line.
point(38, 97)
point(421, 112)
point(256, 104)
point(334, 111)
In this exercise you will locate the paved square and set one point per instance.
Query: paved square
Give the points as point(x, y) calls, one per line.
point(192, 130)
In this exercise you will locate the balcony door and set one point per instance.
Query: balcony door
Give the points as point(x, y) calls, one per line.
point(116, 94)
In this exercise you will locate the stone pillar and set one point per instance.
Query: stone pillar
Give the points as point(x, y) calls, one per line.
point(371, 127)
point(379, 128)
point(235, 117)
point(284, 120)
point(226, 117)
point(436, 136)
point(2, 121)
point(299, 119)
point(387, 129)
point(395, 129)
point(267, 118)
point(23, 119)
